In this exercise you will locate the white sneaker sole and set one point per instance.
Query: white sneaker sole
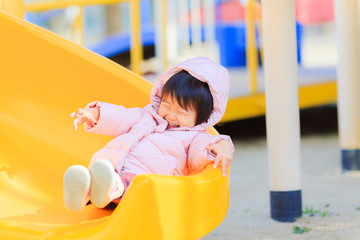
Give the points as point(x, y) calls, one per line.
point(76, 187)
point(103, 178)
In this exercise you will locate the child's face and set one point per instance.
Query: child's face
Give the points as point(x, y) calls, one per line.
point(175, 115)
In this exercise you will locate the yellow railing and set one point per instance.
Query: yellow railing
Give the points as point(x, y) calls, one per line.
point(17, 8)
point(251, 50)
point(253, 13)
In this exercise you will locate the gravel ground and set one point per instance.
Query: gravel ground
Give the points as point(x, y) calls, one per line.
point(333, 197)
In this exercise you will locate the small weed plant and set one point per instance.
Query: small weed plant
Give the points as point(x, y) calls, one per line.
point(310, 212)
point(301, 230)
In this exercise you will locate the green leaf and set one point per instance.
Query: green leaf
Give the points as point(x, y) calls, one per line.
point(324, 213)
point(301, 230)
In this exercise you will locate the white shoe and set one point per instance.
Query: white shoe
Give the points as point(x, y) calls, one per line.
point(76, 187)
point(106, 184)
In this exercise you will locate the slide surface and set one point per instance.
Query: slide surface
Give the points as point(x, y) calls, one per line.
point(43, 79)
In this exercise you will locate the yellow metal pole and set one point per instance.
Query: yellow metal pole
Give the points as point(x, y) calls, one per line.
point(258, 17)
point(136, 52)
point(14, 7)
point(78, 27)
point(54, 4)
point(164, 33)
point(251, 51)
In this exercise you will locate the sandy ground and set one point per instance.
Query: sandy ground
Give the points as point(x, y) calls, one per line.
point(324, 188)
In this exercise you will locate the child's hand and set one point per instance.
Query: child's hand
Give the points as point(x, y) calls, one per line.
point(85, 115)
point(223, 151)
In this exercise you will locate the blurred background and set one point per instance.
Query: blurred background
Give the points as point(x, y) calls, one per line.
point(227, 31)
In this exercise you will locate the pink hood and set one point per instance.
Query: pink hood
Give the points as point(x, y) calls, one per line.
point(206, 70)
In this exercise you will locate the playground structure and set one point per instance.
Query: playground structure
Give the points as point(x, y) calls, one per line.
point(221, 36)
point(285, 167)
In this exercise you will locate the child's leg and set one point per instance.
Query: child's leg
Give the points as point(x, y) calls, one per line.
point(126, 179)
point(106, 184)
point(76, 187)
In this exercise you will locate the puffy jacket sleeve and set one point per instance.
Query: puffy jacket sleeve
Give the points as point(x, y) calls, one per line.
point(198, 156)
point(114, 120)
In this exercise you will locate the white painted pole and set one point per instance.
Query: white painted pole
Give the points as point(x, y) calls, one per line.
point(282, 109)
point(195, 23)
point(172, 32)
point(209, 17)
point(160, 15)
point(184, 37)
point(211, 46)
point(348, 81)
point(157, 33)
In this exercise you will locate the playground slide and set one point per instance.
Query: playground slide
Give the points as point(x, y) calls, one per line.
point(43, 79)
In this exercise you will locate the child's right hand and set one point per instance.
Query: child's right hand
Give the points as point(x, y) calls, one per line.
point(87, 115)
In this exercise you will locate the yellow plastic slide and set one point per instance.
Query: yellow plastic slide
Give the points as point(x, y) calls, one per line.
point(43, 79)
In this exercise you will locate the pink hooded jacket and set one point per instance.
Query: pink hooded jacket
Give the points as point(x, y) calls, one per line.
point(142, 144)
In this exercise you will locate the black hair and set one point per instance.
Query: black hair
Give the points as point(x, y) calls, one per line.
point(190, 93)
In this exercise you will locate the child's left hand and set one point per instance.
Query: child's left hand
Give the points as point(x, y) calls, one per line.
point(223, 151)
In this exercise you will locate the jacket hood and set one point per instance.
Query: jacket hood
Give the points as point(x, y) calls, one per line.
point(205, 70)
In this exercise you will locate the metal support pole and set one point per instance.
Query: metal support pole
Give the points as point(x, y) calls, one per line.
point(251, 49)
point(172, 32)
point(160, 15)
point(136, 52)
point(14, 7)
point(195, 14)
point(210, 43)
point(183, 12)
point(282, 109)
point(184, 37)
point(78, 27)
point(348, 82)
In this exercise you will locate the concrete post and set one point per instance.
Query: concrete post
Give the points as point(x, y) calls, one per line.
point(348, 81)
point(282, 109)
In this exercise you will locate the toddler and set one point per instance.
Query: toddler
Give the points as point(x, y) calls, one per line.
point(168, 136)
